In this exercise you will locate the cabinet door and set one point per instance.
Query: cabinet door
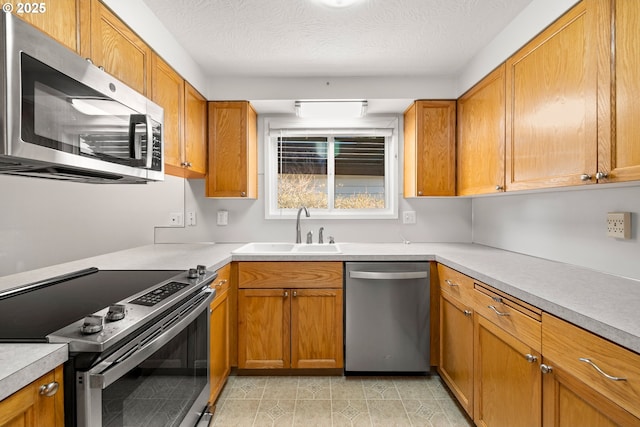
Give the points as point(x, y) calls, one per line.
point(481, 133)
point(167, 90)
point(219, 344)
point(551, 91)
point(263, 328)
point(508, 386)
point(570, 402)
point(58, 18)
point(28, 408)
point(195, 132)
point(430, 149)
point(316, 328)
point(456, 349)
point(232, 150)
point(618, 87)
point(118, 49)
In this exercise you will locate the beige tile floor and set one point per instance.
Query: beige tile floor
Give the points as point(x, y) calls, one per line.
point(337, 401)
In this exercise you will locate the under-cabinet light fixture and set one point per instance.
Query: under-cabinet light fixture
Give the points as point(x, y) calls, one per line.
point(331, 109)
point(339, 3)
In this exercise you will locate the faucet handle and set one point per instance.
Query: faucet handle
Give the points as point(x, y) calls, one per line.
point(310, 237)
point(331, 240)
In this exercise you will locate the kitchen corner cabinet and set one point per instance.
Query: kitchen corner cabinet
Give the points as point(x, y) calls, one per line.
point(58, 18)
point(456, 335)
point(575, 391)
point(31, 407)
point(220, 315)
point(551, 104)
point(185, 119)
point(290, 315)
point(481, 136)
point(111, 44)
point(618, 88)
point(233, 150)
point(430, 149)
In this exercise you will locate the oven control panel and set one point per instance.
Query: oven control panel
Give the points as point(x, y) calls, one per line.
point(153, 297)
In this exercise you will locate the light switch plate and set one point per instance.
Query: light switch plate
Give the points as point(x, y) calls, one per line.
point(223, 218)
point(409, 217)
point(619, 225)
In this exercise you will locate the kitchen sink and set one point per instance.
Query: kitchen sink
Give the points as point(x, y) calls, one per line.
point(283, 248)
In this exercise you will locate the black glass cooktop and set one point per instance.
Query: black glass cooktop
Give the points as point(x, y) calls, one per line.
point(30, 316)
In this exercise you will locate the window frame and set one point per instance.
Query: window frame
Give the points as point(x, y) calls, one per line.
point(387, 125)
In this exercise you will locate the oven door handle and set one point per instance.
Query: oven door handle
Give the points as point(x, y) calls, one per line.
point(117, 369)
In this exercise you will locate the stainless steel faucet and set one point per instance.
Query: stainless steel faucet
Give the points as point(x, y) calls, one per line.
point(298, 234)
point(320, 236)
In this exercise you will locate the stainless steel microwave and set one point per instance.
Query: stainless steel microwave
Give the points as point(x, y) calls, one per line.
point(64, 118)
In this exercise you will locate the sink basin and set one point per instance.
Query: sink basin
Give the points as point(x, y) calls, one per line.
point(316, 249)
point(265, 248)
point(262, 248)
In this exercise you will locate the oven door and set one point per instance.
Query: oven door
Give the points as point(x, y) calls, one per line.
point(160, 378)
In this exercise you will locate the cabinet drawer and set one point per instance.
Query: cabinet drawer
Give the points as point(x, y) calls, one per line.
point(566, 344)
point(294, 274)
point(456, 284)
point(514, 316)
point(223, 281)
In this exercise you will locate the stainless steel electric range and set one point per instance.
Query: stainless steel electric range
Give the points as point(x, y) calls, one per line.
point(138, 342)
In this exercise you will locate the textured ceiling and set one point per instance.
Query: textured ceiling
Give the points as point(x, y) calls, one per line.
point(302, 38)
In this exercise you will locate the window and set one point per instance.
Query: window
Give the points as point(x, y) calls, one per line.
point(348, 173)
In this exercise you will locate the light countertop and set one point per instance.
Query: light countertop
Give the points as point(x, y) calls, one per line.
point(601, 303)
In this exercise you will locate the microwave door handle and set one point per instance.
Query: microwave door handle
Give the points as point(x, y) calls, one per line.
point(149, 160)
point(128, 361)
point(134, 149)
point(134, 119)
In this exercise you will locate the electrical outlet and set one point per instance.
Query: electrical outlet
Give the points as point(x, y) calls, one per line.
point(176, 219)
point(409, 217)
point(619, 225)
point(191, 218)
point(223, 218)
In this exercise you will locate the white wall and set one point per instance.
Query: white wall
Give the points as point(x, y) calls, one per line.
point(567, 226)
point(45, 222)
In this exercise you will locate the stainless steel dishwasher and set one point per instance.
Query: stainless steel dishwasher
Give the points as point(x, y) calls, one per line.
point(387, 317)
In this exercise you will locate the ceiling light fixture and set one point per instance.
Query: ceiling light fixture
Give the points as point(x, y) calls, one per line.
point(339, 3)
point(331, 109)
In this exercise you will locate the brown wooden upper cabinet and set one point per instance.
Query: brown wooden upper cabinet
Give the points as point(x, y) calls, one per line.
point(233, 150)
point(58, 18)
point(185, 121)
point(481, 133)
point(109, 43)
point(618, 89)
point(551, 98)
point(430, 149)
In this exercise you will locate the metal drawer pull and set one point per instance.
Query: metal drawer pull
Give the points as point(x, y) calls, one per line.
point(499, 313)
point(546, 369)
point(49, 389)
point(220, 283)
point(450, 283)
point(295, 293)
point(530, 358)
point(468, 313)
point(286, 294)
point(597, 368)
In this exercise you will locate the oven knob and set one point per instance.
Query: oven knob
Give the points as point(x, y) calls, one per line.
point(201, 269)
point(115, 313)
point(92, 324)
point(193, 273)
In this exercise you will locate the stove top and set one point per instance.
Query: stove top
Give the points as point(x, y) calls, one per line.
point(56, 312)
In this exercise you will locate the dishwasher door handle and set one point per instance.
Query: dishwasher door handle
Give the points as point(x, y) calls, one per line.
point(390, 275)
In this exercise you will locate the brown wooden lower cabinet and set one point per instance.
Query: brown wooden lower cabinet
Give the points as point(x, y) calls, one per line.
point(219, 341)
point(456, 349)
point(569, 402)
point(28, 408)
point(289, 328)
point(508, 381)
